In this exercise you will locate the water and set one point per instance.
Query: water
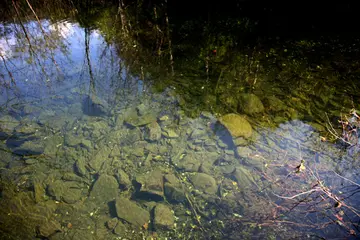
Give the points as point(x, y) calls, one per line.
point(108, 135)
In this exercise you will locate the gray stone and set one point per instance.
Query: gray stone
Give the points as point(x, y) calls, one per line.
point(240, 141)
point(204, 183)
point(46, 116)
point(236, 125)
point(30, 109)
point(133, 119)
point(137, 151)
point(169, 133)
point(173, 189)
point(123, 179)
point(52, 144)
point(153, 132)
point(80, 167)
point(174, 193)
point(275, 104)
point(243, 177)
point(152, 148)
point(31, 161)
point(25, 129)
point(99, 158)
point(39, 192)
point(69, 192)
point(188, 162)
point(94, 106)
point(164, 118)
point(104, 190)
point(163, 217)
point(120, 229)
point(250, 104)
point(151, 183)
point(172, 179)
point(30, 148)
point(71, 195)
point(131, 212)
point(73, 177)
point(210, 157)
point(111, 224)
point(142, 109)
point(56, 189)
point(73, 141)
point(199, 134)
point(48, 228)
point(75, 109)
point(97, 127)
point(244, 152)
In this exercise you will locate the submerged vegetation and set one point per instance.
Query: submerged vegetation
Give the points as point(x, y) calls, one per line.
point(130, 120)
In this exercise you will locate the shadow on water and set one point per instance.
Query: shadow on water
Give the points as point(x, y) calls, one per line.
point(124, 120)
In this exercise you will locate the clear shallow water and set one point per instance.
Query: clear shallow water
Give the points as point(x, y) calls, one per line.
point(92, 151)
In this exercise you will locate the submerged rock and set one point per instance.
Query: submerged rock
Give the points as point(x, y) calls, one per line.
point(75, 109)
point(120, 229)
point(153, 131)
point(204, 183)
point(69, 192)
point(94, 106)
point(243, 177)
point(236, 125)
point(48, 228)
point(151, 183)
point(163, 217)
point(123, 179)
point(275, 104)
point(142, 109)
point(73, 141)
point(188, 162)
point(199, 134)
point(173, 189)
point(169, 133)
point(99, 158)
point(80, 167)
point(111, 224)
point(250, 104)
point(133, 119)
point(244, 152)
point(30, 148)
point(39, 192)
point(104, 190)
point(26, 128)
point(131, 212)
point(52, 144)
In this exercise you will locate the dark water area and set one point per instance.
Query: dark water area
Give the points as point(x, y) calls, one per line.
point(170, 120)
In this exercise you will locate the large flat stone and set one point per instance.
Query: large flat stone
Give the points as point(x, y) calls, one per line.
point(104, 190)
point(131, 212)
point(236, 125)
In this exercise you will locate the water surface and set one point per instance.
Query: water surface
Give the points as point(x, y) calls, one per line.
point(117, 128)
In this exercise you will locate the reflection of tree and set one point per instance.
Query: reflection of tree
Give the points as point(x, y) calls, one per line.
point(213, 56)
point(87, 54)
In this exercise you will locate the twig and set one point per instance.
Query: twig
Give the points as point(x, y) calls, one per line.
point(347, 179)
point(332, 131)
point(298, 195)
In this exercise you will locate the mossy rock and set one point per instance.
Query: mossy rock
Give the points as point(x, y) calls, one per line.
point(275, 104)
point(243, 177)
point(105, 189)
point(163, 217)
point(204, 183)
point(151, 183)
point(131, 212)
point(250, 104)
point(237, 125)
